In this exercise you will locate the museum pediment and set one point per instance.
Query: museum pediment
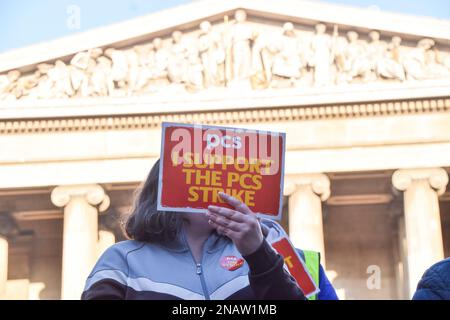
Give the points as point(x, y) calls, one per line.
point(240, 46)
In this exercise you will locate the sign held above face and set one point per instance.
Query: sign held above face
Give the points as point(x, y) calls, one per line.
point(199, 161)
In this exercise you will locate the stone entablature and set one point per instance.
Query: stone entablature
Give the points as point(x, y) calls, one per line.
point(226, 117)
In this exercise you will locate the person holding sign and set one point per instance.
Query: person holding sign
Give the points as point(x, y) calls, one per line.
point(221, 253)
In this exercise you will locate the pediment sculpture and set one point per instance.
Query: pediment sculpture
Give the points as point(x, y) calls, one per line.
point(233, 54)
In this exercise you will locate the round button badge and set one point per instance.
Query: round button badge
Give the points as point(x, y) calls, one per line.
point(231, 263)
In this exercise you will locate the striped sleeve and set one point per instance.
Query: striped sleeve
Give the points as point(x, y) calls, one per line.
point(108, 280)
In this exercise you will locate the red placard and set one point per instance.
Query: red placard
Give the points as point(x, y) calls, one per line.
point(295, 266)
point(198, 162)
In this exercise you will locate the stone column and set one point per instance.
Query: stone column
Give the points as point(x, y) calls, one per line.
point(422, 218)
point(306, 193)
point(80, 235)
point(106, 239)
point(107, 224)
point(3, 264)
point(403, 288)
point(8, 228)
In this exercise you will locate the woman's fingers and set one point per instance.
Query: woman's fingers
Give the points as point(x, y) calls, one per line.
point(240, 225)
point(224, 230)
point(238, 205)
point(223, 221)
point(228, 213)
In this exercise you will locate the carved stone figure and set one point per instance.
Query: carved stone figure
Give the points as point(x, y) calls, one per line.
point(60, 76)
point(263, 54)
point(28, 83)
point(161, 62)
point(287, 62)
point(420, 63)
point(212, 55)
point(4, 85)
point(242, 35)
point(55, 81)
point(433, 63)
point(133, 71)
point(8, 84)
point(145, 54)
point(338, 52)
point(178, 62)
point(146, 59)
point(194, 79)
point(357, 63)
point(375, 52)
point(446, 60)
point(390, 66)
point(321, 60)
point(43, 87)
point(119, 71)
point(101, 79)
point(80, 66)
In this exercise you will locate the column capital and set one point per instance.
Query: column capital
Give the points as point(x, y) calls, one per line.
point(319, 183)
point(436, 177)
point(93, 193)
point(8, 225)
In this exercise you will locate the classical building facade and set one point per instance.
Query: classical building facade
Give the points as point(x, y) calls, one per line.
point(363, 96)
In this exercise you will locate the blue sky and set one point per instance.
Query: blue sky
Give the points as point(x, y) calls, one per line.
point(26, 22)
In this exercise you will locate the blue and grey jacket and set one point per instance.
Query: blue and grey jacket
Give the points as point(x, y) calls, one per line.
point(141, 270)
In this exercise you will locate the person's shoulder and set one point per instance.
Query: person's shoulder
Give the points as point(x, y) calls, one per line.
point(123, 248)
point(116, 255)
point(442, 266)
point(112, 266)
point(127, 245)
point(435, 282)
point(438, 274)
point(272, 230)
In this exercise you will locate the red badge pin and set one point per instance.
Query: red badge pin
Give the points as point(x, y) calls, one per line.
point(231, 263)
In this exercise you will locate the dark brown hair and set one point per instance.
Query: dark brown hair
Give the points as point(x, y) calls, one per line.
point(145, 222)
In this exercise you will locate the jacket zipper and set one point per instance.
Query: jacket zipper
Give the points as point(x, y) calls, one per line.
point(199, 272)
point(202, 281)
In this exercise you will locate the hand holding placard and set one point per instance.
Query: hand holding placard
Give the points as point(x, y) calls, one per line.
point(240, 224)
